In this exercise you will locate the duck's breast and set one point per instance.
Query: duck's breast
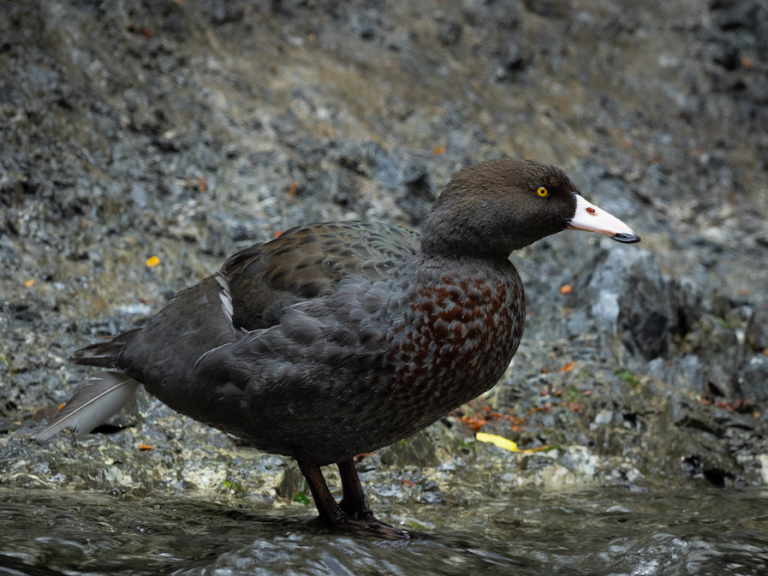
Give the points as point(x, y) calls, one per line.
point(455, 339)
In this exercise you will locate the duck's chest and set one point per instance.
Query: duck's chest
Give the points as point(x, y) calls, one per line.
point(455, 334)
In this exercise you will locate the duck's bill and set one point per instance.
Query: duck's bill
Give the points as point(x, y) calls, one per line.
point(593, 219)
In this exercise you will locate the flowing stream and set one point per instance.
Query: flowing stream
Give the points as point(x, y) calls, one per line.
point(604, 532)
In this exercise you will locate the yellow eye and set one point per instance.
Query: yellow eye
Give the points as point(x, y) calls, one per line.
point(542, 191)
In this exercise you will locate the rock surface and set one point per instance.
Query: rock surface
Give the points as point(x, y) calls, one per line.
point(189, 130)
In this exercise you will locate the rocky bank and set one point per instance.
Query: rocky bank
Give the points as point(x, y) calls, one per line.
point(187, 130)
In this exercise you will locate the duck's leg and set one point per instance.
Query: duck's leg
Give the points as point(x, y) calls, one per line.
point(355, 504)
point(329, 509)
point(326, 504)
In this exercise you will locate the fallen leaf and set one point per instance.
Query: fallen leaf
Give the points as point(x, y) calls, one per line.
point(473, 423)
point(566, 289)
point(574, 407)
point(439, 150)
point(85, 217)
point(61, 406)
point(153, 261)
point(146, 32)
point(202, 185)
point(568, 367)
point(499, 441)
point(746, 61)
point(540, 449)
point(146, 447)
point(292, 189)
point(506, 443)
point(29, 283)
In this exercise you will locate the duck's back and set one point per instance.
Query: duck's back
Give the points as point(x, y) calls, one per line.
point(309, 262)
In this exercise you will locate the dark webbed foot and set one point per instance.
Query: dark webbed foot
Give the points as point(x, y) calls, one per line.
point(370, 526)
point(353, 514)
point(355, 506)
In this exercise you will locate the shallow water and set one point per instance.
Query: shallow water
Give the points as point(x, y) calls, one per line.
point(607, 531)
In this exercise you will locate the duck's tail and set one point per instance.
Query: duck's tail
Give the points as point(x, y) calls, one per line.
point(104, 354)
point(101, 397)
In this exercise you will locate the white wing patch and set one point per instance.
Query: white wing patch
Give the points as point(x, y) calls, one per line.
point(226, 297)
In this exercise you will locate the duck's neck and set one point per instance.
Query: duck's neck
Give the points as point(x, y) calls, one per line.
point(461, 236)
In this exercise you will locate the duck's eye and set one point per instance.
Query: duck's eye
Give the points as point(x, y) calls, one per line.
point(542, 191)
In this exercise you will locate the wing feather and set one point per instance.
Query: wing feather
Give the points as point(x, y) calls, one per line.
point(102, 396)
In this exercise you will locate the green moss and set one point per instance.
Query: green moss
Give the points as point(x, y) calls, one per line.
point(303, 498)
point(628, 377)
point(724, 323)
point(572, 395)
point(232, 485)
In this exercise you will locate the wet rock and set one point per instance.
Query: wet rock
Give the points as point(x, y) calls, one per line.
point(718, 340)
point(757, 333)
point(291, 484)
point(629, 296)
point(549, 8)
point(221, 12)
point(734, 14)
point(507, 15)
point(686, 373)
point(450, 33)
point(580, 324)
point(720, 382)
point(753, 378)
point(418, 450)
point(724, 54)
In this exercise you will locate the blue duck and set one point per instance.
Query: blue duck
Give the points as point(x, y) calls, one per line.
point(339, 338)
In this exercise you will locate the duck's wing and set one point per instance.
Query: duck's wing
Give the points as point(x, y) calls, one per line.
point(183, 355)
point(308, 262)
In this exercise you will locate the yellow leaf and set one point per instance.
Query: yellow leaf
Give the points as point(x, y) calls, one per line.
point(29, 283)
point(506, 444)
point(153, 261)
point(497, 441)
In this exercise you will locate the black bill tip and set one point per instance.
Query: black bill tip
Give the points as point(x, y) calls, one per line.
point(626, 238)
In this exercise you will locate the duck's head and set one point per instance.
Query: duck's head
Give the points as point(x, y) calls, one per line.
point(495, 207)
